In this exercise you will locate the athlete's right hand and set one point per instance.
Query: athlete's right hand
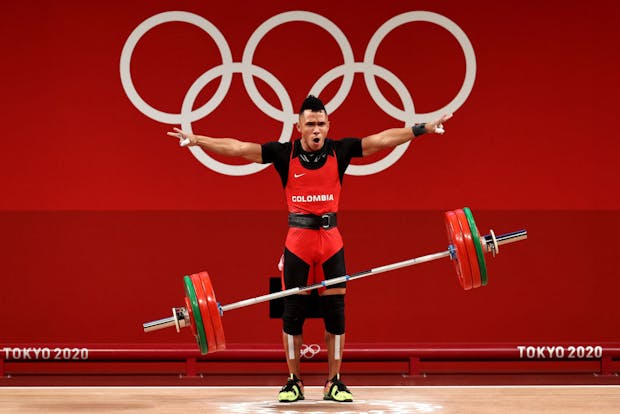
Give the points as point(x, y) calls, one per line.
point(436, 127)
point(185, 139)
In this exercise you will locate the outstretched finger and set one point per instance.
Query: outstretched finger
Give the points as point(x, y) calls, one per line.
point(181, 136)
point(178, 133)
point(445, 117)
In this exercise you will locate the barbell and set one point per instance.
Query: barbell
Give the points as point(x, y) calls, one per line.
point(466, 248)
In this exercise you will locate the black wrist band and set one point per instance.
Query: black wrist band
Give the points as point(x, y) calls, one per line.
point(418, 129)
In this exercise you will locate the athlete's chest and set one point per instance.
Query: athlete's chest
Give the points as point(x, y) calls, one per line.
point(324, 177)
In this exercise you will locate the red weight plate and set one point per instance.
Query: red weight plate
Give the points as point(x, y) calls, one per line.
point(461, 262)
point(214, 309)
point(476, 281)
point(204, 312)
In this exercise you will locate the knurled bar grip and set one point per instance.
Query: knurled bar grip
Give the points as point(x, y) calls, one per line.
point(501, 239)
point(334, 281)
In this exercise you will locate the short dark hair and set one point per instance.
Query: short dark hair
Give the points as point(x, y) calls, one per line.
point(312, 103)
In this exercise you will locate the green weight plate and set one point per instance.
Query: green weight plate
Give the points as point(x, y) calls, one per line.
point(195, 317)
point(479, 252)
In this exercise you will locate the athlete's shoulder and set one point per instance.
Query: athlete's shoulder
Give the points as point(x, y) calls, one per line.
point(349, 145)
point(274, 150)
point(346, 141)
point(278, 146)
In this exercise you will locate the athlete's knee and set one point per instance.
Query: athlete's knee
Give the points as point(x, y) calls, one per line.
point(332, 310)
point(295, 309)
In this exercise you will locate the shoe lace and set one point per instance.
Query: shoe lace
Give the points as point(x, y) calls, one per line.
point(291, 384)
point(339, 384)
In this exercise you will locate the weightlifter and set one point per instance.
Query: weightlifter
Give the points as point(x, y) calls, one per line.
point(311, 169)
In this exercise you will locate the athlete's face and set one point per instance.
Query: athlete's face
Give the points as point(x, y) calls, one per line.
point(313, 127)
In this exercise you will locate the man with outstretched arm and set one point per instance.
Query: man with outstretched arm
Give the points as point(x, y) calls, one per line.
point(312, 168)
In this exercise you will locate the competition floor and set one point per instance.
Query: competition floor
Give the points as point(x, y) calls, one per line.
point(600, 399)
point(565, 399)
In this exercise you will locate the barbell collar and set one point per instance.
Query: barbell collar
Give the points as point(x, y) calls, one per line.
point(507, 238)
point(179, 319)
point(159, 324)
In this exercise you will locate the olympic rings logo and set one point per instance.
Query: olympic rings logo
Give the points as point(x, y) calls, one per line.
point(286, 115)
point(309, 351)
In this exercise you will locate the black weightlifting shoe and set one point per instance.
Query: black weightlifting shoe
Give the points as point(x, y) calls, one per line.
point(292, 391)
point(335, 390)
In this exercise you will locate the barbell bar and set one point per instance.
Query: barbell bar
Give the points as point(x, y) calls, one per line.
point(466, 248)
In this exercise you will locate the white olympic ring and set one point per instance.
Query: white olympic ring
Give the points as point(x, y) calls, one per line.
point(309, 351)
point(286, 115)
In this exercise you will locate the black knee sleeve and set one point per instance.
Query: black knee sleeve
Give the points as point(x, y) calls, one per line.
point(332, 310)
point(295, 308)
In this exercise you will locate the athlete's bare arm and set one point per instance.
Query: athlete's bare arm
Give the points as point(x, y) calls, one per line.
point(232, 147)
point(396, 136)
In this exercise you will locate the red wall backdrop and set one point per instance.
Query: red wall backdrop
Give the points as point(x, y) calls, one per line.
point(101, 213)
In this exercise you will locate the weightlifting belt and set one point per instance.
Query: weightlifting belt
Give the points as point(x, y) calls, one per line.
point(312, 221)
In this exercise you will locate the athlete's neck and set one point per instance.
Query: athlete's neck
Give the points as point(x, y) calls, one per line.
point(305, 148)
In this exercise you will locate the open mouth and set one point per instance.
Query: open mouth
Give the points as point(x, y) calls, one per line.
point(317, 140)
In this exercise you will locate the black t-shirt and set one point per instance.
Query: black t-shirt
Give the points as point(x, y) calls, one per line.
point(279, 154)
